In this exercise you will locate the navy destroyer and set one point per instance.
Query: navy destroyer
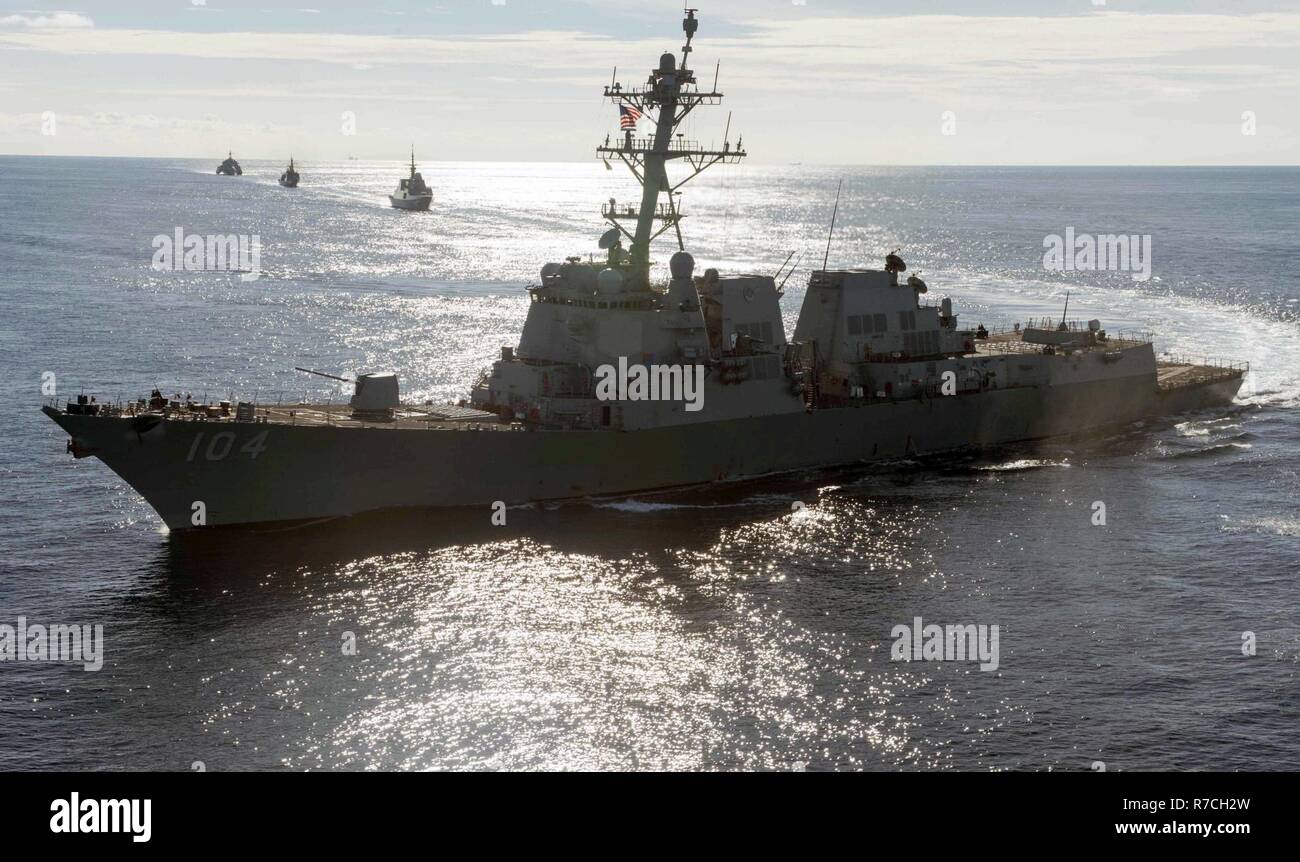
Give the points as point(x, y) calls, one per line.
point(620, 384)
point(289, 179)
point(411, 193)
point(229, 167)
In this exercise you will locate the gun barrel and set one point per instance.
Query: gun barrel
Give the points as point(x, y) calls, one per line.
point(322, 374)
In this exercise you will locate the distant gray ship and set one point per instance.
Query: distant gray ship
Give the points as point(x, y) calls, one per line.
point(411, 193)
point(229, 167)
point(290, 178)
point(619, 385)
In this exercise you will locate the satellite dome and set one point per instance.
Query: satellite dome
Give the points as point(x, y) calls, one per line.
point(667, 63)
point(609, 281)
point(550, 269)
point(681, 265)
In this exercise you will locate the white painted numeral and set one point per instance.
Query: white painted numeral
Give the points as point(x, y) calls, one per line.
point(194, 447)
point(219, 448)
point(221, 444)
point(254, 447)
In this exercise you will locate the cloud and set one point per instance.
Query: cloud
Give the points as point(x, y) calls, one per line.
point(119, 125)
point(1111, 87)
point(806, 48)
point(51, 21)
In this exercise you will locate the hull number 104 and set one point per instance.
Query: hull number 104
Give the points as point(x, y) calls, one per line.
point(222, 444)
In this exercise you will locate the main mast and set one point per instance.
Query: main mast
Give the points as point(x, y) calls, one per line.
point(668, 96)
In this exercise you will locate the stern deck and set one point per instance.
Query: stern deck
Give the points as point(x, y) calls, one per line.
point(1183, 374)
point(1172, 372)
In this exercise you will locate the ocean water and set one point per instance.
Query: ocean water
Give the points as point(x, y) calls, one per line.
point(721, 628)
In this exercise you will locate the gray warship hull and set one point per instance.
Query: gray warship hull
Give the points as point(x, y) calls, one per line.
point(417, 204)
point(622, 386)
point(282, 472)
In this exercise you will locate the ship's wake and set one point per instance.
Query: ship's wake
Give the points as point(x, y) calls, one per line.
point(1276, 526)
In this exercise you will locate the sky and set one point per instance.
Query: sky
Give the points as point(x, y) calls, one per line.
point(952, 82)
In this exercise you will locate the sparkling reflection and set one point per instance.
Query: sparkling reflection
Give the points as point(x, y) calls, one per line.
point(727, 633)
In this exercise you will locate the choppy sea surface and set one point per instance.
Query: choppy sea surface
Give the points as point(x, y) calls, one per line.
point(721, 628)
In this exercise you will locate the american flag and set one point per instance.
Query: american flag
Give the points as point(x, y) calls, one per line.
point(627, 116)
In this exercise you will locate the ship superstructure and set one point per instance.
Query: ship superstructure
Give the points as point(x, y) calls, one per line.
point(597, 397)
point(589, 313)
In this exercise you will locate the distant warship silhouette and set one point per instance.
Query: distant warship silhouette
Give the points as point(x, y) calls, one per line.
point(411, 193)
point(230, 167)
point(289, 179)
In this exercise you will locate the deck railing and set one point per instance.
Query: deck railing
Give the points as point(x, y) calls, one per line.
point(1203, 362)
point(999, 343)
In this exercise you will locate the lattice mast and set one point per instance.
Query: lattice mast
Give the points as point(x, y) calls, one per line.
point(667, 97)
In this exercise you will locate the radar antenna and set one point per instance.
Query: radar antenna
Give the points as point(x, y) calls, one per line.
point(668, 96)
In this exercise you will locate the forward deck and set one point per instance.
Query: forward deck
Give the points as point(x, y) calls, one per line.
point(409, 417)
